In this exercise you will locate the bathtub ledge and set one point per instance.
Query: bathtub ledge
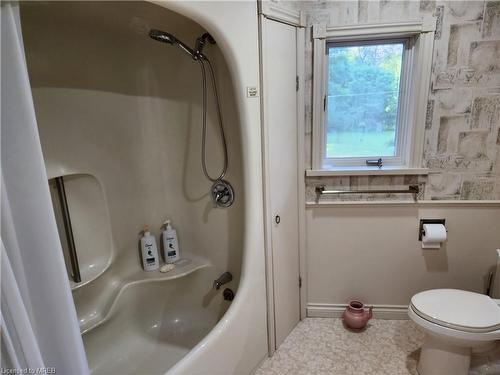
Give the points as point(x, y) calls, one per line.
point(183, 267)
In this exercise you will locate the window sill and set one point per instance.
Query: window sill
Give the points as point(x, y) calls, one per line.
point(366, 171)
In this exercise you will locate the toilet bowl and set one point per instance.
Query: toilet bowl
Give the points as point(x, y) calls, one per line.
point(456, 323)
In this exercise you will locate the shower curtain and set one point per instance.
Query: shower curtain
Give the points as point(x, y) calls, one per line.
point(39, 326)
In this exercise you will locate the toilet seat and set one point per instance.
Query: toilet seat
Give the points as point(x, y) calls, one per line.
point(458, 309)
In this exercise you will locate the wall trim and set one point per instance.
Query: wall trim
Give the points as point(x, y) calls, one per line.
point(271, 332)
point(281, 14)
point(301, 165)
point(367, 171)
point(423, 203)
point(375, 30)
point(318, 92)
point(335, 310)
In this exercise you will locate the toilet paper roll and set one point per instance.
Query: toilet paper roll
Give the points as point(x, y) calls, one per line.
point(433, 236)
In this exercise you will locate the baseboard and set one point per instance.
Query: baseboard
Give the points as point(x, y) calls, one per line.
point(326, 310)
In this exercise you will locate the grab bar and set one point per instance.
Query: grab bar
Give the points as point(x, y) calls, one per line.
point(412, 189)
point(68, 229)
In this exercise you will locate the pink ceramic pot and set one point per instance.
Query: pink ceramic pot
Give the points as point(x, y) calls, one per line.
point(355, 316)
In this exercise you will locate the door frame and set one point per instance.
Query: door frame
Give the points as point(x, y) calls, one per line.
point(271, 12)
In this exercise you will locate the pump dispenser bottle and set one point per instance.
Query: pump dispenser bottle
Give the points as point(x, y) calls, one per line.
point(170, 243)
point(149, 251)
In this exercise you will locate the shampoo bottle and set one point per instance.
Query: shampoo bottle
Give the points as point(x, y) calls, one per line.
point(170, 244)
point(149, 251)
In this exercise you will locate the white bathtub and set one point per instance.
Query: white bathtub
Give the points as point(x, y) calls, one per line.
point(153, 324)
point(130, 119)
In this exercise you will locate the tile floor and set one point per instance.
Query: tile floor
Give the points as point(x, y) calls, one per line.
point(325, 346)
point(385, 347)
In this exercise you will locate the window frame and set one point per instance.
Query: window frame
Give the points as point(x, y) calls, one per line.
point(414, 91)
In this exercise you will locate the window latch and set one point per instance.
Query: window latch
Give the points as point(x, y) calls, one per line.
point(375, 162)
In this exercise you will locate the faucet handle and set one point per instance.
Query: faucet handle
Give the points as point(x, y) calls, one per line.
point(222, 194)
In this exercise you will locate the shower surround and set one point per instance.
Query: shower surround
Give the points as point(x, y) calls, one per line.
point(124, 111)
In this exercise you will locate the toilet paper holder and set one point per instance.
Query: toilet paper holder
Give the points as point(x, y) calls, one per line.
point(428, 221)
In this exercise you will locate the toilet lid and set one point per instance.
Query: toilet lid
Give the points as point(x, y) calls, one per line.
point(458, 309)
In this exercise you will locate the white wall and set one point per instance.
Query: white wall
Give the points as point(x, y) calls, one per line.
point(372, 252)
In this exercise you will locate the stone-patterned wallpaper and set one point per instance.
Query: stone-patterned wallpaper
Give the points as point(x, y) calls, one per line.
point(462, 137)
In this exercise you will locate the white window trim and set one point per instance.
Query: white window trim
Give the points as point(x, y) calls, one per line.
point(422, 34)
point(282, 14)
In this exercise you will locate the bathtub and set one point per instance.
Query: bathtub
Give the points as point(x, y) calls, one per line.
point(154, 323)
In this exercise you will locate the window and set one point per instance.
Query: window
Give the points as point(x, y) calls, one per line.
point(363, 99)
point(370, 94)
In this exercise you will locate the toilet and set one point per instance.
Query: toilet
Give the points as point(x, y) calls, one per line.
point(456, 323)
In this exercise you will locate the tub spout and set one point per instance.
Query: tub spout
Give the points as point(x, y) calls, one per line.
point(223, 279)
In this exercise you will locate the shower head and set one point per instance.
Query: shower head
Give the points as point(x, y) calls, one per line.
point(162, 36)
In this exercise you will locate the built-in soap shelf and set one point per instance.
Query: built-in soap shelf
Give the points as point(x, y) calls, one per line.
point(182, 268)
point(185, 266)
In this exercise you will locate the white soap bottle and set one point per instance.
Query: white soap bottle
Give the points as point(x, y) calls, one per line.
point(149, 251)
point(170, 243)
